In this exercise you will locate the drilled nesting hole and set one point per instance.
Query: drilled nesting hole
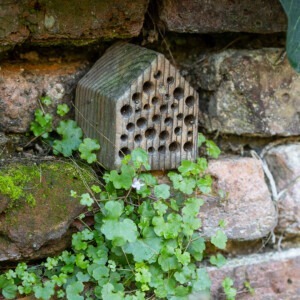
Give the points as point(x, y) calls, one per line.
point(178, 130)
point(188, 146)
point(156, 118)
point(136, 98)
point(174, 106)
point(126, 111)
point(150, 133)
point(174, 146)
point(138, 138)
point(164, 108)
point(170, 80)
point(162, 149)
point(190, 133)
point(190, 101)
point(151, 150)
point(167, 97)
point(155, 100)
point(164, 135)
point(124, 151)
point(141, 123)
point(178, 93)
point(146, 107)
point(189, 120)
point(130, 126)
point(124, 137)
point(180, 116)
point(168, 121)
point(148, 87)
point(157, 74)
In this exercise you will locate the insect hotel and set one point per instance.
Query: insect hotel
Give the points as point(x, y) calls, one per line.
point(133, 97)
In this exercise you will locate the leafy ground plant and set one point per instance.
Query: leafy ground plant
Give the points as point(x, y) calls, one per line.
point(144, 243)
point(71, 135)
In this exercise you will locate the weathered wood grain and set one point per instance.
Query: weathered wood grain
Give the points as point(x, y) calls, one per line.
point(133, 97)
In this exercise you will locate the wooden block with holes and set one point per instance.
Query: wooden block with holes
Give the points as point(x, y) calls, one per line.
point(133, 97)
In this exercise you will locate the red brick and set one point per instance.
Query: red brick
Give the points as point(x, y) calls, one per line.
point(21, 86)
point(274, 275)
point(202, 16)
point(59, 21)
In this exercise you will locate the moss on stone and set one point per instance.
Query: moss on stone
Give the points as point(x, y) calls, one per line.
point(49, 184)
point(14, 183)
point(27, 184)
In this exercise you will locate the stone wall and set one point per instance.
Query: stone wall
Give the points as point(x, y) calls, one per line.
point(233, 54)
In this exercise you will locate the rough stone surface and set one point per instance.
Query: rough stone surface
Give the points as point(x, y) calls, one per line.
point(247, 209)
point(284, 164)
point(273, 276)
point(202, 16)
point(31, 232)
point(12, 31)
point(249, 92)
point(21, 86)
point(57, 21)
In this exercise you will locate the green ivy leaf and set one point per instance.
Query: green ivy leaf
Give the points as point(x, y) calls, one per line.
point(201, 139)
point(42, 124)
point(123, 180)
point(168, 262)
point(86, 150)
point(196, 247)
point(9, 289)
point(113, 209)
point(148, 179)
point(80, 261)
point(86, 200)
point(44, 292)
point(108, 293)
point(184, 184)
point(202, 282)
point(62, 109)
point(219, 239)
point(46, 100)
point(184, 258)
point(137, 296)
point(96, 189)
point(202, 164)
point(229, 290)
point(51, 263)
point(78, 242)
point(162, 191)
point(187, 168)
point(59, 280)
point(292, 9)
point(204, 184)
point(160, 207)
point(71, 138)
point(145, 249)
point(250, 289)
point(140, 158)
point(120, 232)
point(212, 149)
point(73, 291)
point(98, 272)
point(169, 229)
point(186, 274)
point(219, 260)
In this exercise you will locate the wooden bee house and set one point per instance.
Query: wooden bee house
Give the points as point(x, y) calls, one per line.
point(133, 97)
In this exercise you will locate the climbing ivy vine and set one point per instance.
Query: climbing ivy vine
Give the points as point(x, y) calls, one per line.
point(144, 243)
